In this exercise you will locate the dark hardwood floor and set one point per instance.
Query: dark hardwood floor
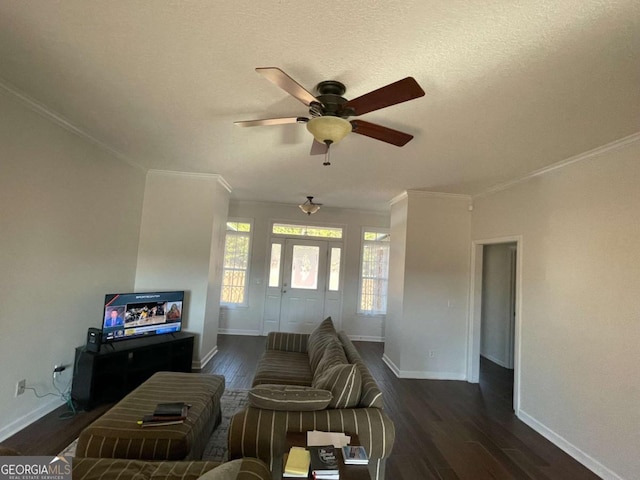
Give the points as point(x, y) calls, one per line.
point(444, 429)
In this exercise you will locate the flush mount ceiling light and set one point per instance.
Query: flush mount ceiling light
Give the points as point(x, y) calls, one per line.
point(309, 206)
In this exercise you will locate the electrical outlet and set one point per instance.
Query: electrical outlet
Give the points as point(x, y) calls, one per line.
point(20, 386)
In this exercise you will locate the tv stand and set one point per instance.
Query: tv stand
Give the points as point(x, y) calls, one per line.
point(114, 371)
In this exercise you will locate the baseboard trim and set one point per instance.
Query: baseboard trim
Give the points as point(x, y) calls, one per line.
point(365, 338)
point(199, 365)
point(422, 375)
point(27, 419)
point(235, 331)
point(563, 444)
point(497, 361)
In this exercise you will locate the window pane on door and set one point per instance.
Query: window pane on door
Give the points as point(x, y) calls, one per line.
point(304, 267)
point(274, 266)
point(334, 269)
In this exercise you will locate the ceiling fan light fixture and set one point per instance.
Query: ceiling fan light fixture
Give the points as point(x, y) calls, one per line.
point(309, 207)
point(329, 128)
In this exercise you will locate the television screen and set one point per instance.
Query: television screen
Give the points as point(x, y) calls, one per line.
point(132, 315)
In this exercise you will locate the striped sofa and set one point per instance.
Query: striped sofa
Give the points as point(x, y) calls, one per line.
point(84, 468)
point(122, 469)
point(316, 362)
point(117, 435)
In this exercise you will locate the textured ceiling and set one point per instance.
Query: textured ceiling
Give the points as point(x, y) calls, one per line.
point(511, 86)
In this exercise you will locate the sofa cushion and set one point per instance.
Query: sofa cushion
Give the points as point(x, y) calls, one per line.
point(318, 340)
point(289, 397)
point(283, 368)
point(371, 395)
point(344, 382)
point(333, 355)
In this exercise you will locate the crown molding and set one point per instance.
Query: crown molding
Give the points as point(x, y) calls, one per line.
point(427, 194)
point(424, 193)
point(398, 198)
point(561, 164)
point(62, 122)
point(214, 176)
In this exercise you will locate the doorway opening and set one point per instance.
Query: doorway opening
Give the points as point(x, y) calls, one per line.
point(304, 278)
point(494, 333)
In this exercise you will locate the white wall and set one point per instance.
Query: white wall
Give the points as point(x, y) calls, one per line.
point(496, 325)
point(180, 237)
point(69, 225)
point(248, 320)
point(431, 324)
point(580, 312)
point(394, 328)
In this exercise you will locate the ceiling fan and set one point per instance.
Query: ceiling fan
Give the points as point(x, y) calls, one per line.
point(329, 110)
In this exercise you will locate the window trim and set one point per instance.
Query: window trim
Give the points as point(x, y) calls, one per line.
point(342, 227)
point(244, 304)
point(359, 311)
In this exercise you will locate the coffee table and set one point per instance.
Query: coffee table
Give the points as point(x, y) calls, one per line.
point(347, 472)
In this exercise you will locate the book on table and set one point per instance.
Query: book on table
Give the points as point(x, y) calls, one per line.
point(355, 455)
point(145, 422)
point(324, 462)
point(173, 409)
point(166, 414)
point(297, 464)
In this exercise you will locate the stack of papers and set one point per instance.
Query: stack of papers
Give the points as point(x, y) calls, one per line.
point(316, 438)
point(297, 465)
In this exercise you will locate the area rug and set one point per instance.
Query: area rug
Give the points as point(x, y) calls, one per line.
point(232, 401)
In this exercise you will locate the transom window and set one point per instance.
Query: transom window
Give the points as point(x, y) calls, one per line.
point(292, 230)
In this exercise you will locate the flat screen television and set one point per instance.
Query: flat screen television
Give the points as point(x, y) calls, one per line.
point(134, 315)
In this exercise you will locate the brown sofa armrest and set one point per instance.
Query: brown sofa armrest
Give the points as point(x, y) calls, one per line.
point(261, 433)
point(288, 342)
point(123, 469)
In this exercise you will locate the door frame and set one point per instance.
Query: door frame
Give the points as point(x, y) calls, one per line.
point(338, 296)
point(475, 313)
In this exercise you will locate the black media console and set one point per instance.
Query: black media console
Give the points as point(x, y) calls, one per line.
point(119, 367)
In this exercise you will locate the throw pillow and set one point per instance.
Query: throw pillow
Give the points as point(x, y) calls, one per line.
point(289, 397)
point(344, 382)
point(318, 340)
point(333, 355)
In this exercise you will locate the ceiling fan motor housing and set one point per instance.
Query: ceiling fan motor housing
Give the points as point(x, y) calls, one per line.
point(331, 99)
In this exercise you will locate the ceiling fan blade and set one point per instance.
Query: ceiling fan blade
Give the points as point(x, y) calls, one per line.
point(318, 148)
point(270, 121)
point(287, 83)
point(392, 94)
point(385, 134)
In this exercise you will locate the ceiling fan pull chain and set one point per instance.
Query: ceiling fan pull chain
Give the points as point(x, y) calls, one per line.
point(327, 156)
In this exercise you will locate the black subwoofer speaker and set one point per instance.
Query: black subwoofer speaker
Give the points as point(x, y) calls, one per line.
point(94, 339)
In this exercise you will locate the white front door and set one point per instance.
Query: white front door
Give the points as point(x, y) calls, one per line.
point(303, 285)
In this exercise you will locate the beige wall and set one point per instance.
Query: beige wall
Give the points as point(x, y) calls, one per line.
point(248, 320)
point(395, 333)
point(69, 225)
point(179, 248)
point(580, 324)
point(428, 338)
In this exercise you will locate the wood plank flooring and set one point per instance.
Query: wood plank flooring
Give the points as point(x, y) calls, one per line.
point(445, 430)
